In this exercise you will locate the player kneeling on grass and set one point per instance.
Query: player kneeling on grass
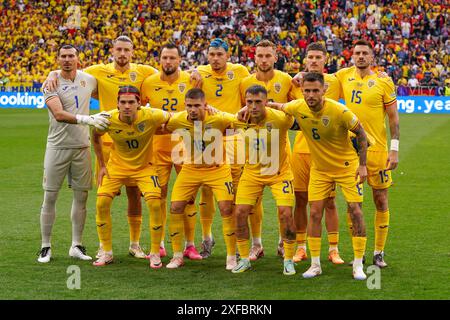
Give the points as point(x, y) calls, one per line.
point(267, 164)
point(131, 130)
point(68, 149)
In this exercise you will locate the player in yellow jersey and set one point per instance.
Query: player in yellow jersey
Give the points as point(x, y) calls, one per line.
point(201, 133)
point(166, 91)
point(110, 78)
point(265, 135)
point(371, 98)
point(131, 130)
point(326, 125)
point(316, 56)
point(279, 89)
point(220, 82)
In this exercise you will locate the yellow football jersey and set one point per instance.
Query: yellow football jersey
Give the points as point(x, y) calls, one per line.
point(261, 138)
point(368, 99)
point(333, 92)
point(110, 80)
point(222, 90)
point(327, 134)
point(278, 88)
point(198, 137)
point(132, 144)
point(162, 95)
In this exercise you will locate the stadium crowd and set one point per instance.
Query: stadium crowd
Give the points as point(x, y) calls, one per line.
point(411, 37)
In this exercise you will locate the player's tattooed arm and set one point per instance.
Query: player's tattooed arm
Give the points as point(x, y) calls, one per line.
point(361, 139)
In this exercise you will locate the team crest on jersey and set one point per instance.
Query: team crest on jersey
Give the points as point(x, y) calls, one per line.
point(269, 126)
point(371, 83)
point(325, 121)
point(182, 87)
point(141, 127)
point(277, 87)
point(230, 75)
point(133, 76)
point(83, 83)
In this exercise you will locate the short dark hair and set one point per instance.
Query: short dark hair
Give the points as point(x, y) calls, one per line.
point(313, 77)
point(123, 38)
point(219, 43)
point(362, 42)
point(256, 89)
point(67, 46)
point(195, 93)
point(170, 45)
point(129, 90)
point(316, 46)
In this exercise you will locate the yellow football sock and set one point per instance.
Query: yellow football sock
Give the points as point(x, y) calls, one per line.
point(359, 246)
point(289, 249)
point(207, 210)
point(155, 223)
point(381, 229)
point(314, 244)
point(333, 239)
point(229, 234)
point(190, 218)
point(103, 221)
point(176, 231)
point(163, 217)
point(135, 228)
point(349, 225)
point(301, 238)
point(244, 248)
point(255, 219)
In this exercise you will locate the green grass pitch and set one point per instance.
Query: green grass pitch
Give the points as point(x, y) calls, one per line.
point(417, 250)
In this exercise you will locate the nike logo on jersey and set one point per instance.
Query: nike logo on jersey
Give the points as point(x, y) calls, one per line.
point(208, 76)
point(304, 117)
point(351, 79)
point(109, 76)
point(174, 234)
point(157, 89)
point(118, 131)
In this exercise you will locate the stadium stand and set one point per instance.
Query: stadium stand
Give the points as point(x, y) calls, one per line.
point(411, 37)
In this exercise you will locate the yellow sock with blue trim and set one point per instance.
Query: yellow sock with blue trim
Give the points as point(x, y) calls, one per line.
point(381, 230)
point(176, 231)
point(104, 222)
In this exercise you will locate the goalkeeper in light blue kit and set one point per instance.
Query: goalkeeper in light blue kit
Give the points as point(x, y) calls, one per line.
point(68, 149)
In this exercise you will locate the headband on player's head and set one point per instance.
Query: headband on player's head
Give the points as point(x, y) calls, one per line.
point(129, 90)
point(219, 43)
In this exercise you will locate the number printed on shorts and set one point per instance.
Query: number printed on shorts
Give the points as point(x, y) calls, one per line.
point(287, 188)
point(359, 188)
point(383, 176)
point(230, 187)
point(155, 181)
point(133, 144)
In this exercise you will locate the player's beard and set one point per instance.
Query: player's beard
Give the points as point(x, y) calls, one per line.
point(217, 67)
point(122, 62)
point(265, 69)
point(363, 65)
point(169, 71)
